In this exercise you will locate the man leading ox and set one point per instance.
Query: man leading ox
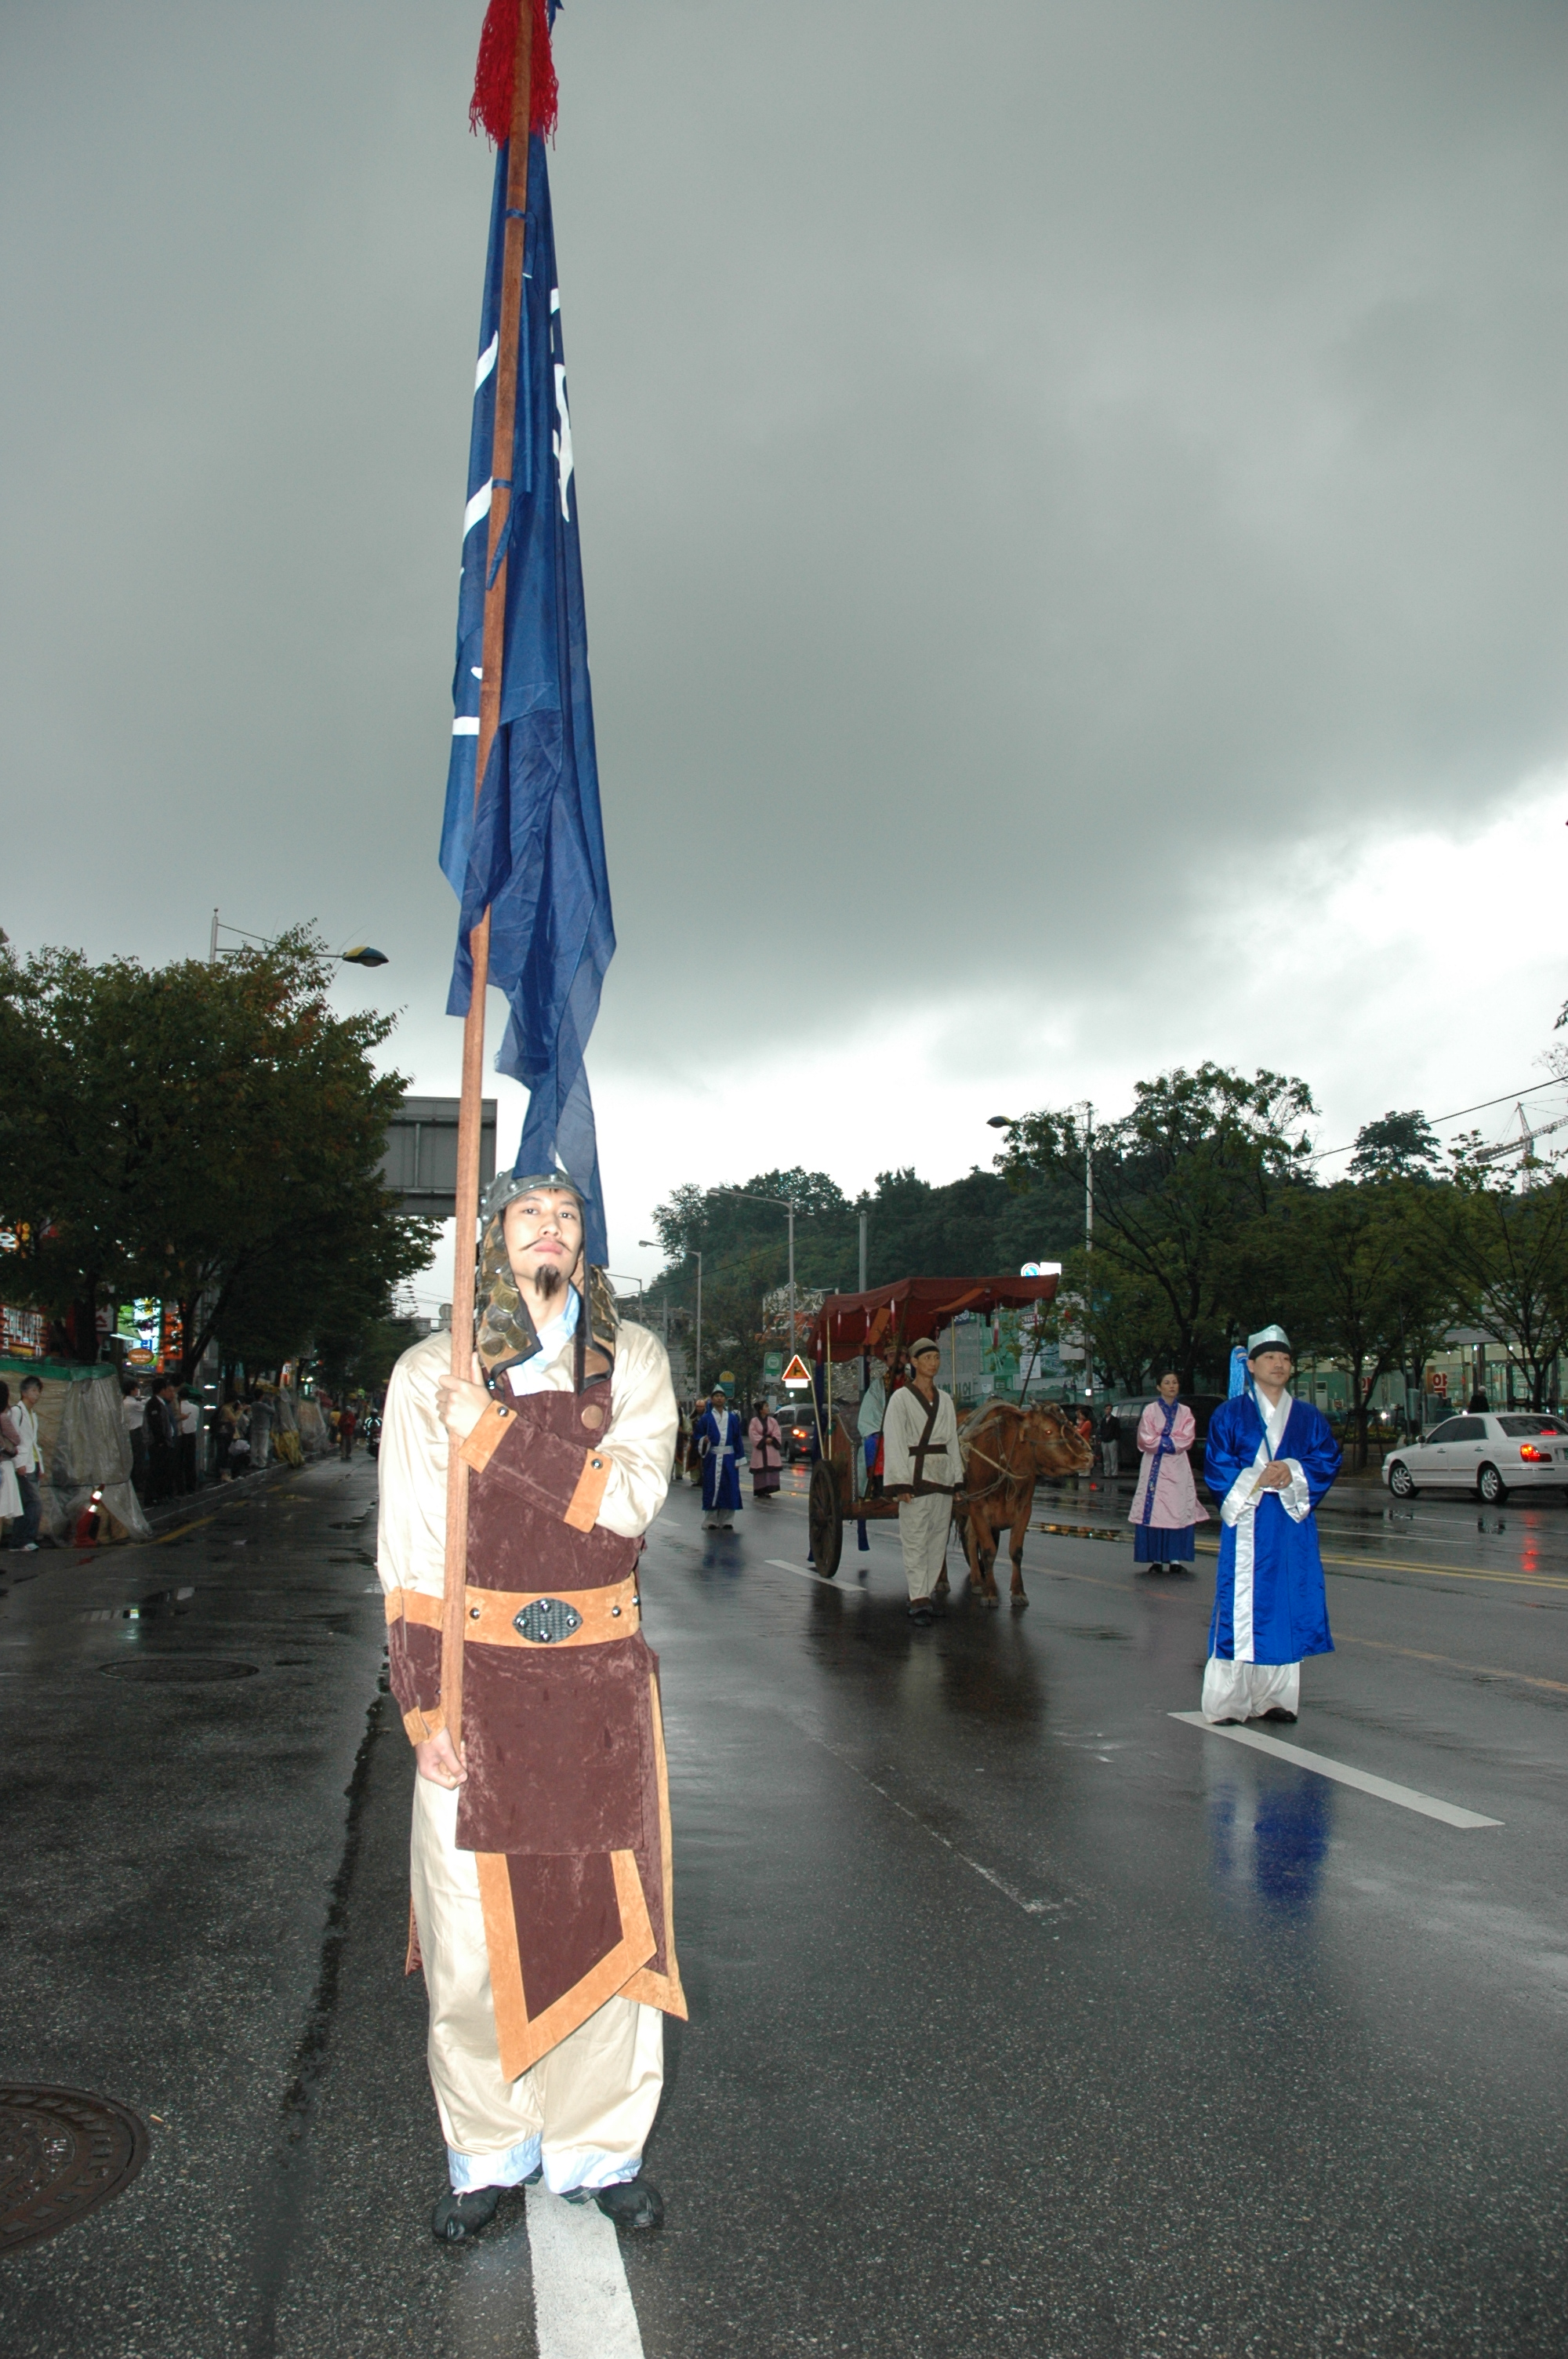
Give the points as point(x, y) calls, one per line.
point(541, 1844)
point(921, 1469)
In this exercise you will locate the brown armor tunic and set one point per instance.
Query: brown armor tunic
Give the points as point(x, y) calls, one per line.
point(566, 1803)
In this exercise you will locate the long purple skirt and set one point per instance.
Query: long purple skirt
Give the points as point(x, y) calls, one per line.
point(1150, 1545)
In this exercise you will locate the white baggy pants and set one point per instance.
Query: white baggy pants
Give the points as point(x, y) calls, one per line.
point(583, 2112)
point(1245, 1691)
point(923, 1527)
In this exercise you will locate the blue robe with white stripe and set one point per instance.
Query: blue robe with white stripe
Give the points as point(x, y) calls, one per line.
point(1277, 1562)
point(721, 1462)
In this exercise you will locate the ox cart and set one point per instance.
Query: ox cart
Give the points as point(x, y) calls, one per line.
point(875, 1330)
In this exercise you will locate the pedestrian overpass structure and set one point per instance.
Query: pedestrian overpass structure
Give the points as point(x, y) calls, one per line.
point(421, 1159)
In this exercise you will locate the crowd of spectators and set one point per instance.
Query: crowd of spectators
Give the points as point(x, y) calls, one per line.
point(163, 1425)
point(175, 1445)
point(164, 1422)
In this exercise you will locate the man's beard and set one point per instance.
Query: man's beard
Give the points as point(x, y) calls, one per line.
point(548, 1280)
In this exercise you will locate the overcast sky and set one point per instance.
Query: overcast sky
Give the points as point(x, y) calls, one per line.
point(1073, 511)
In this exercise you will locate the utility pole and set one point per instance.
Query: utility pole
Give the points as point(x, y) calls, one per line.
point(213, 949)
point(1088, 1248)
point(791, 1274)
point(862, 1286)
point(697, 1371)
point(782, 1204)
point(652, 1244)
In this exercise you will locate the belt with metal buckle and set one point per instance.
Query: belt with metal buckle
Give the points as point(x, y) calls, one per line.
point(541, 1617)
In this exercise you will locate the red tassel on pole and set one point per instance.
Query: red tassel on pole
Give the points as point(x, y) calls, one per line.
point(490, 108)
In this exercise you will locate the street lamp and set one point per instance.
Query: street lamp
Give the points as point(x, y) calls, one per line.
point(653, 1243)
point(697, 1369)
point(780, 1204)
point(361, 954)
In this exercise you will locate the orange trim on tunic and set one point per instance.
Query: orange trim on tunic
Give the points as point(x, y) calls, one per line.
point(663, 1991)
point(582, 1510)
point(523, 2039)
point(490, 1614)
point(414, 1605)
point(478, 1448)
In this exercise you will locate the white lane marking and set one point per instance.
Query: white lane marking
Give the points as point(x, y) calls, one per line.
point(1362, 1779)
point(582, 2303)
point(804, 1572)
point(1009, 1891)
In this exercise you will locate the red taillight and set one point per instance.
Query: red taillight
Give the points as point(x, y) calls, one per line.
point(1534, 1457)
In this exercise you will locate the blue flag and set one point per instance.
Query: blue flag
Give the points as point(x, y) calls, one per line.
point(534, 852)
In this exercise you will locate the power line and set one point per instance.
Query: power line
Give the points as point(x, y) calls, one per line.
point(1556, 1082)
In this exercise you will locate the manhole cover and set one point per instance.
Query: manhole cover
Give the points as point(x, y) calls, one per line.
point(61, 2152)
point(177, 1671)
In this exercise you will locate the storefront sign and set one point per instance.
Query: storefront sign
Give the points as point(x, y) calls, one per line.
point(21, 1333)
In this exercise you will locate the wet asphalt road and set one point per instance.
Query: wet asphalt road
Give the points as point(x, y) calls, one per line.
point(1025, 2018)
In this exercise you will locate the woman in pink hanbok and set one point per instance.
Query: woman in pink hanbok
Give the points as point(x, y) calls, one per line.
point(1165, 1511)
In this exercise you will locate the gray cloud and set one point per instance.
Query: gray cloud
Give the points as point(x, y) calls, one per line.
point(1029, 455)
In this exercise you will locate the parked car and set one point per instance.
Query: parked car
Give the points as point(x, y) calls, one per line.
point(1491, 1455)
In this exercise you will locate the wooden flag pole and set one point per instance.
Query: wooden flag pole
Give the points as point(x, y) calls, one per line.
point(468, 1108)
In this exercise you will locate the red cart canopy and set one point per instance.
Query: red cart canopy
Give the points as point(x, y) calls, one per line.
point(848, 1324)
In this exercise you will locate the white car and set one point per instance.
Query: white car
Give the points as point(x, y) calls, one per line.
point(1489, 1456)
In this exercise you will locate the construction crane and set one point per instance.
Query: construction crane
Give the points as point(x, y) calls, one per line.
point(1524, 1144)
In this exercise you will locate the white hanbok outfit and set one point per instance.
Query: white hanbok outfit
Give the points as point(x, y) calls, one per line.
point(920, 1449)
point(1245, 1691)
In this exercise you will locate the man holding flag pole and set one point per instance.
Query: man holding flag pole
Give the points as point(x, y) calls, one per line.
point(523, 1458)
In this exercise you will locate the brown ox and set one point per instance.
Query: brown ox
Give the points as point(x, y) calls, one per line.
point(1005, 1450)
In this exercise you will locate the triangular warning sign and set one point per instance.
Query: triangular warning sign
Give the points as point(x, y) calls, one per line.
point(797, 1373)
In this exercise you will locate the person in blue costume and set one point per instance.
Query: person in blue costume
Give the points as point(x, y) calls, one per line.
point(1270, 1460)
point(717, 1437)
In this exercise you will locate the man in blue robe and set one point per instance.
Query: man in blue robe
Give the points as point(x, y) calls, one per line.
point(719, 1444)
point(1270, 1458)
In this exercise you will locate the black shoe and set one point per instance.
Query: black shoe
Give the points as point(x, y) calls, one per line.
point(920, 1612)
point(636, 2203)
point(1278, 1711)
point(457, 2219)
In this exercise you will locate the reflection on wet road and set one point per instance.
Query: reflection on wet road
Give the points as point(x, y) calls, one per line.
point(1027, 2019)
point(1270, 1845)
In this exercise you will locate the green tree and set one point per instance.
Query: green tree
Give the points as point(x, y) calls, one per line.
point(1133, 1335)
point(361, 1358)
point(211, 1135)
point(744, 1245)
point(1356, 1279)
point(1507, 1252)
point(1400, 1146)
point(1179, 1183)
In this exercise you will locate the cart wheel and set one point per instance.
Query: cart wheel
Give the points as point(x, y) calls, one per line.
point(824, 1521)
